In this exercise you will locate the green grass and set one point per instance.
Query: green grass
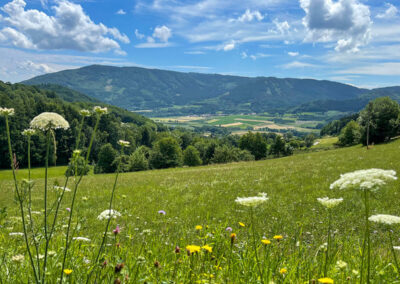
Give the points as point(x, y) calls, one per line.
point(205, 196)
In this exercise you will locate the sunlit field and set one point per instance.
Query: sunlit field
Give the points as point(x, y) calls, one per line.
point(200, 210)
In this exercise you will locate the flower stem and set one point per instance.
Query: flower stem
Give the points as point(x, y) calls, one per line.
point(67, 240)
point(20, 201)
point(45, 204)
point(328, 244)
point(110, 216)
point(367, 240)
point(255, 245)
point(393, 252)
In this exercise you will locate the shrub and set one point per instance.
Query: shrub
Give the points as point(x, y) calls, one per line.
point(107, 156)
point(138, 160)
point(191, 157)
point(166, 153)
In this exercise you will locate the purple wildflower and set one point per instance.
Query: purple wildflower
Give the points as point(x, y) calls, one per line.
point(161, 212)
point(117, 230)
point(229, 229)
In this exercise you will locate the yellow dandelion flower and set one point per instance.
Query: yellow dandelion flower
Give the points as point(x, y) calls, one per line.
point(217, 267)
point(283, 271)
point(193, 249)
point(278, 237)
point(68, 271)
point(241, 224)
point(198, 227)
point(325, 280)
point(207, 248)
point(266, 242)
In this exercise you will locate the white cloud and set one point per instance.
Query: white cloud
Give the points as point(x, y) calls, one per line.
point(346, 22)
point(163, 33)
point(390, 12)
point(244, 55)
point(282, 27)
point(195, 52)
point(229, 46)
point(298, 64)
point(121, 12)
point(138, 34)
point(293, 53)
point(384, 69)
point(249, 16)
point(69, 28)
point(159, 38)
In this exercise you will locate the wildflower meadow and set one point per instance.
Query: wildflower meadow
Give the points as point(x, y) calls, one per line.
point(323, 217)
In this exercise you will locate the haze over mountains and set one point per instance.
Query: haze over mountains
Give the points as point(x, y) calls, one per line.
point(175, 93)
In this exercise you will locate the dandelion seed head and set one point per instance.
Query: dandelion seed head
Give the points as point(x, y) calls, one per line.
point(49, 120)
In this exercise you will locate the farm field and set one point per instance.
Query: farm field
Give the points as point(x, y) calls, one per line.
point(200, 210)
point(237, 124)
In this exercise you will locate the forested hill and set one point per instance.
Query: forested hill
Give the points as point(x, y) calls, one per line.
point(29, 101)
point(172, 92)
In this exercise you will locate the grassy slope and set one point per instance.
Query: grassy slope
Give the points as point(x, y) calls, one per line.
point(205, 196)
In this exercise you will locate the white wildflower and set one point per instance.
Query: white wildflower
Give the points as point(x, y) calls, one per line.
point(252, 201)
point(16, 234)
point(370, 179)
point(385, 219)
point(330, 202)
point(83, 239)
point(6, 111)
point(29, 132)
point(397, 248)
point(49, 120)
point(100, 110)
point(18, 258)
point(340, 264)
point(52, 253)
point(124, 143)
point(85, 112)
point(61, 188)
point(106, 214)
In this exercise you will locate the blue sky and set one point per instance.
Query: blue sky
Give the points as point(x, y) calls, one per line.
point(351, 41)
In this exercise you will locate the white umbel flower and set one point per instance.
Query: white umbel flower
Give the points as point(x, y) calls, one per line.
point(6, 111)
point(19, 234)
point(106, 214)
point(397, 248)
point(252, 201)
point(49, 120)
point(385, 219)
point(62, 188)
point(85, 112)
point(124, 143)
point(29, 132)
point(100, 110)
point(82, 239)
point(18, 258)
point(330, 202)
point(370, 179)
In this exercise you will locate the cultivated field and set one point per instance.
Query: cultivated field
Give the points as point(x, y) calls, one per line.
point(302, 122)
point(205, 196)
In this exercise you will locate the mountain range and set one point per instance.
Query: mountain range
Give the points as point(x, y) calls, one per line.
point(163, 92)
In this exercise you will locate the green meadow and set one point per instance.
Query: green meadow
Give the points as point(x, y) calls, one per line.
point(152, 247)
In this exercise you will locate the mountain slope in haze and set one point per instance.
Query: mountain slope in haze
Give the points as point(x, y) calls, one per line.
point(68, 94)
point(173, 92)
